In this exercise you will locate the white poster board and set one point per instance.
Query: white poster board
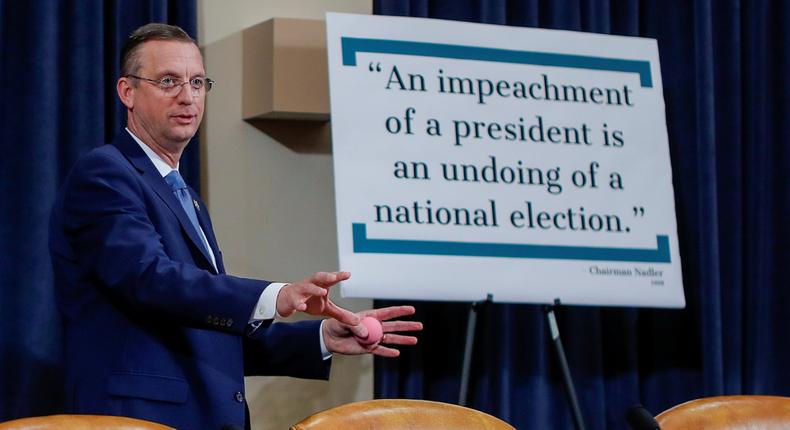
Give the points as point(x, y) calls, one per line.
point(474, 159)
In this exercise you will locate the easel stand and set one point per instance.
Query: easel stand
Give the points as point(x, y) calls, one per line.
point(471, 325)
point(554, 330)
point(566, 371)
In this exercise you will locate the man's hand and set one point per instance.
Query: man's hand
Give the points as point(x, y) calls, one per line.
point(311, 296)
point(340, 338)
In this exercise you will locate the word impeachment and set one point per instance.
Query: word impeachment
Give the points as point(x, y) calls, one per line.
point(540, 90)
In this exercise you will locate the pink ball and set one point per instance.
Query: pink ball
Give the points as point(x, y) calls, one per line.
point(375, 332)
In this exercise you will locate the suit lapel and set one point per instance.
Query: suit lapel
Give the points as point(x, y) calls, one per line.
point(126, 144)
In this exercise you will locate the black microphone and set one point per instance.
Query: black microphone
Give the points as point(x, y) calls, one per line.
point(640, 418)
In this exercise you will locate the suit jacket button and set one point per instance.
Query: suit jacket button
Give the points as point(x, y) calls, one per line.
point(230, 322)
point(222, 322)
point(239, 397)
point(209, 319)
point(216, 321)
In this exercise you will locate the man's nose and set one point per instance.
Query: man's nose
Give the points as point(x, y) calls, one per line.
point(185, 94)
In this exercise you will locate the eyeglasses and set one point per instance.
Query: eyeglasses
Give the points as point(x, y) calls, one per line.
point(172, 86)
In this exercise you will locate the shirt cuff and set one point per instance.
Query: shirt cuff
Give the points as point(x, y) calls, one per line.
point(325, 354)
point(266, 308)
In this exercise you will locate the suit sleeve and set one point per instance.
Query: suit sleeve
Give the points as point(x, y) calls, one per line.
point(114, 242)
point(286, 349)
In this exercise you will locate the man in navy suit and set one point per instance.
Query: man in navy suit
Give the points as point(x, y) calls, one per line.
point(154, 327)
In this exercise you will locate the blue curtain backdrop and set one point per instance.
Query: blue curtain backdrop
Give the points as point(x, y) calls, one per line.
point(57, 95)
point(725, 69)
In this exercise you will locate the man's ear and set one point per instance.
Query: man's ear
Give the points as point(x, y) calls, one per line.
point(125, 92)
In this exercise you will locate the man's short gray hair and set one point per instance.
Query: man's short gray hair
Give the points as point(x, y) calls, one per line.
point(130, 58)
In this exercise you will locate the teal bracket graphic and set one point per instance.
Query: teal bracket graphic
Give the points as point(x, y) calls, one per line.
point(363, 244)
point(352, 45)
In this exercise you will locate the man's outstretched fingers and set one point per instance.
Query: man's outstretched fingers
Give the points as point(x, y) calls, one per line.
point(390, 326)
point(309, 289)
point(391, 312)
point(346, 317)
point(397, 339)
point(383, 351)
point(294, 297)
point(328, 279)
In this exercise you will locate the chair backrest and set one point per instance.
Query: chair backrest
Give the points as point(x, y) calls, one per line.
point(729, 413)
point(81, 422)
point(401, 414)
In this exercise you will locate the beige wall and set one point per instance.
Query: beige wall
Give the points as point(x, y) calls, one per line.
point(273, 209)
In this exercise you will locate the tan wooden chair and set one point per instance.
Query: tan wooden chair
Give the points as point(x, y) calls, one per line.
point(81, 422)
point(401, 414)
point(729, 413)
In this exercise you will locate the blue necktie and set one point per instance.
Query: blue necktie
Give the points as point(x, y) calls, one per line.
point(179, 188)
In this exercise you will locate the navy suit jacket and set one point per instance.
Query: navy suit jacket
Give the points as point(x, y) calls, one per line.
point(152, 329)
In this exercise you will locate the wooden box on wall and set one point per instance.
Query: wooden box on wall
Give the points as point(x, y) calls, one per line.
point(286, 83)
